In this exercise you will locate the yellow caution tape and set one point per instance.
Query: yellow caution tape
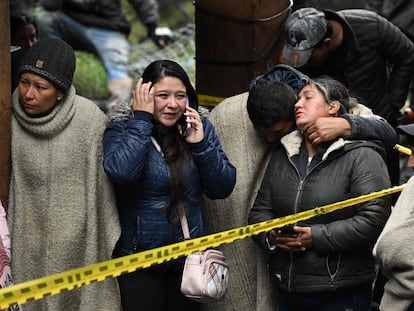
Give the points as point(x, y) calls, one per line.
point(403, 149)
point(208, 100)
point(71, 279)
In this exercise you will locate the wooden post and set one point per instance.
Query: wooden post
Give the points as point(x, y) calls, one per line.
point(236, 40)
point(5, 101)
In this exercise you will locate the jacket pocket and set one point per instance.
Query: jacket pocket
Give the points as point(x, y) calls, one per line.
point(152, 230)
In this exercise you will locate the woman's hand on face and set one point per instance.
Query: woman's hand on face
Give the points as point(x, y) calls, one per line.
point(195, 129)
point(143, 95)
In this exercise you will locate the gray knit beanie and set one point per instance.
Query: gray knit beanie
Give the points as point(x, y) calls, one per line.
point(51, 59)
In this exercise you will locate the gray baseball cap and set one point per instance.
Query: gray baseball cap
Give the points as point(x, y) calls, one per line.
point(305, 28)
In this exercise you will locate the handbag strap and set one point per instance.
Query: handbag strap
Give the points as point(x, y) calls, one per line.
point(184, 227)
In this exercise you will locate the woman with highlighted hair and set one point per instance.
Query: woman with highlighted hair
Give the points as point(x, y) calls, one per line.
point(324, 263)
point(163, 158)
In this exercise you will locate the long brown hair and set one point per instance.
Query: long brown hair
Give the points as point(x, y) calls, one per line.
point(175, 149)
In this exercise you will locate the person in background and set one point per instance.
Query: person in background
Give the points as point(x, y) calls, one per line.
point(394, 258)
point(23, 31)
point(408, 131)
point(163, 158)
point(298, 4)
point(100, 27)
point(361, 49)
point(407, 138)
point(62, 211)
point(249, 151)
point(399, 13)
point(326, 262)
point(393, 250)
point(23, 34)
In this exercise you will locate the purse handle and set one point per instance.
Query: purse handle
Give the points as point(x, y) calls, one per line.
point(184, 227)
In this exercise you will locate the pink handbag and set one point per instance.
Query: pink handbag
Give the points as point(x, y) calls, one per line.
point(5, 271)
point(205, 275)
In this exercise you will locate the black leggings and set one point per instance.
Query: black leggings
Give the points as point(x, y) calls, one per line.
point(155, 290)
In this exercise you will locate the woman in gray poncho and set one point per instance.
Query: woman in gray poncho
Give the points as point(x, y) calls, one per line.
point(62, 212)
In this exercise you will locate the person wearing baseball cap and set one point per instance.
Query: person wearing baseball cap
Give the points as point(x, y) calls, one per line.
point(305, 29)
point(368, 54)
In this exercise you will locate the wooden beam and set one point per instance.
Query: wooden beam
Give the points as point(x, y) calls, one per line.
point(5, 101)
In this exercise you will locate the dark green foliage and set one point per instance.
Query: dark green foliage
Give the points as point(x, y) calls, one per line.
point(90, 76)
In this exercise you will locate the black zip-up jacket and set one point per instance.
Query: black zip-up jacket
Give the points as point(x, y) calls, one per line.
point(105, 13)
point(341, 256)
point(376, 61)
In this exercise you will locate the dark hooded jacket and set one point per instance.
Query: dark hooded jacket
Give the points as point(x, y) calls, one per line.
point(375, 60)
point(398, 12)
point(341, 255)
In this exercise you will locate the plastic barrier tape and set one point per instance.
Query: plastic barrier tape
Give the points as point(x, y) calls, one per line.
point(403, 149)
point(71, 279)
point(208, 100)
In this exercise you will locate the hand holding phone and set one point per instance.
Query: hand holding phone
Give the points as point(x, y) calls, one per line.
point(187, 125)
point(288, 229)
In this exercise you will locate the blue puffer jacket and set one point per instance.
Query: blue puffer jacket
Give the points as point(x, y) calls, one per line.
point(143, 183)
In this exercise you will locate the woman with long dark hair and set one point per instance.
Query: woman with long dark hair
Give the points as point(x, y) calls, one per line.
point(163, 157)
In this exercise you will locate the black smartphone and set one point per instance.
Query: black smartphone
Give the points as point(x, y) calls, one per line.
point(287, 229)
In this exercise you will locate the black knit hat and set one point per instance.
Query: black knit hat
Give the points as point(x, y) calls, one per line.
point(51, 59)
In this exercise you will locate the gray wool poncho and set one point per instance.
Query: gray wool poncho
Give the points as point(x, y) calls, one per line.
point(62, 212)
point(249, 284)
point(394, 252)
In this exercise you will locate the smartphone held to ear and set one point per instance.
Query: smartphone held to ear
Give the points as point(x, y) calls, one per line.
point(186, 124)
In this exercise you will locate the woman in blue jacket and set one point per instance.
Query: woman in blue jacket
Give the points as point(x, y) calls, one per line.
point(163, 158)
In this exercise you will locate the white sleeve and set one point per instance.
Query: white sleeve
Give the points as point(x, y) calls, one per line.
point(4, 230)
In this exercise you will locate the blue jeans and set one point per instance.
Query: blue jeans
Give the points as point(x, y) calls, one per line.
point(358, 299)
point(110, 46)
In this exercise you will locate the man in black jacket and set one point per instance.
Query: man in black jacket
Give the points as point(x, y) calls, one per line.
point(398, 12)
point(100, 27)
point(363, 50)
point(370, 55)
